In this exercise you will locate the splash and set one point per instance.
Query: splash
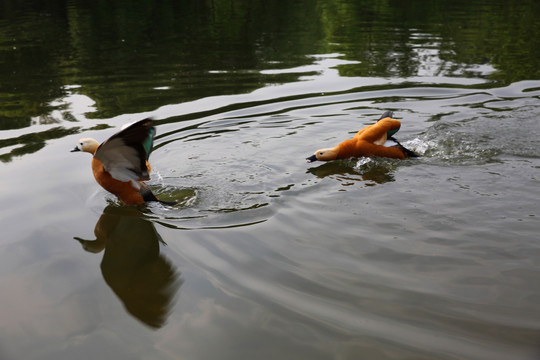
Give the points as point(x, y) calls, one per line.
point(458, 144)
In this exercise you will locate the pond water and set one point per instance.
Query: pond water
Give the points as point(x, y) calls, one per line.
point(267, 256)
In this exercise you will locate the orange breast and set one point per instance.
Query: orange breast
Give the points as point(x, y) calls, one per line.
point(122, 189)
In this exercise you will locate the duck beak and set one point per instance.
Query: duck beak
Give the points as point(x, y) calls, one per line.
point(75, 149)
point(312, 158)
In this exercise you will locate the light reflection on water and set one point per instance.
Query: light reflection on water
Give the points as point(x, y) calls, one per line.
point(376, 250)
point(265, 255)
point(421, 255)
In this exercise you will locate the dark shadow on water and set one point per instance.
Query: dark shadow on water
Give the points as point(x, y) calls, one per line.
point(348, 173)
point(144, 280)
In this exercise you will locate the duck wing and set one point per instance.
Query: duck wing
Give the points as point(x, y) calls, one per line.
point(380, 131)
point(386, 114)
point(389, 114)
point(124, 154)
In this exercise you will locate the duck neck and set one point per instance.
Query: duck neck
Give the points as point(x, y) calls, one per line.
point(93, 148)
point(345, 149)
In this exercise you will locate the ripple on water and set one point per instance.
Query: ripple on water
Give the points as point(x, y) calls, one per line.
point(207, 207)
point(389, 251)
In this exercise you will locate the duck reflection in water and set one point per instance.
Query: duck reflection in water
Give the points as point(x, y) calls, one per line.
point(349, 174)
point(144, 280)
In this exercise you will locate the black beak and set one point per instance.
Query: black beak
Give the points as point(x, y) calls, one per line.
point(75, 149)
point(312, 158)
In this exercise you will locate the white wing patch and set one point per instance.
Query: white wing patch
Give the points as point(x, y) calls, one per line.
point(390, 143)
point(121, 161)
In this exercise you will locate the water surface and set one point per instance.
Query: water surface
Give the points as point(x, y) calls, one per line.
point(267, 256)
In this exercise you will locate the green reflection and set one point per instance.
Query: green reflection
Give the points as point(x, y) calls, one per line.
point(32, 142)
point(135, 56)
point(349, 173)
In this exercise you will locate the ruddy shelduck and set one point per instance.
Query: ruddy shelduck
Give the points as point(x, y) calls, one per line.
point(120, 164)
point(372, 141)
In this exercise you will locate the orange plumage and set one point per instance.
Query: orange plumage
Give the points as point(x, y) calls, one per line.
point(120, 164)
point(368, 142)
point(124, 190)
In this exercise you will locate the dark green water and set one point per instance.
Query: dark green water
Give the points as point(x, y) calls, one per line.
point(267, 256)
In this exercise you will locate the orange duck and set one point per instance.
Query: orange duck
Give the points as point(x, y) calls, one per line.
point(120, 164)
point(373, 140)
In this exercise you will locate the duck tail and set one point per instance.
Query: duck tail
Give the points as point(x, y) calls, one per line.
point(148, 196)
point(407, 152)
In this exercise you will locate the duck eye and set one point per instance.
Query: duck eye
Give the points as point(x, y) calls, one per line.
point(321, 153)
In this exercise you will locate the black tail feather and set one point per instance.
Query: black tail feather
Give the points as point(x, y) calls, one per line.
point(409, 153)
point(148, 196)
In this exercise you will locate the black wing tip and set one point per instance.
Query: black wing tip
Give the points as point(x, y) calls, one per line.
point(407, 152)
point(146, 193)
point(148, 122)
point(386, 114)
point(136, 131)
point(410, 154)
point(148, 196)
point(144, 122)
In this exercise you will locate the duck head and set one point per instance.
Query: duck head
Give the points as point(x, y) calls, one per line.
point(323, 155)
point(88, 145)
